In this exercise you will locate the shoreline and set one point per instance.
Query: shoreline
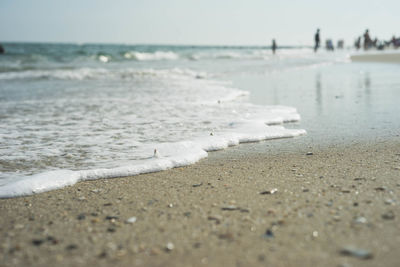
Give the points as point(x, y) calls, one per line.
point(385, 56)
point(221, 210)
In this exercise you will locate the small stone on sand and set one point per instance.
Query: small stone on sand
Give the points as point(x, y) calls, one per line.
point(388, 215)
point(230, 207)
point(169, 247)
point(269, 192)
point(131, 220)
point(356, 252)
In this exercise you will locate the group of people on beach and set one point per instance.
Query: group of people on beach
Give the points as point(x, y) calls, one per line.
point(317, 43)
point(368, 43)
point(328, 43)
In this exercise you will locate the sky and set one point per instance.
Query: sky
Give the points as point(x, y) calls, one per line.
point(196, 22)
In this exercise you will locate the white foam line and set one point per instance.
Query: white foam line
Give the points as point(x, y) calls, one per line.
point(184, 153)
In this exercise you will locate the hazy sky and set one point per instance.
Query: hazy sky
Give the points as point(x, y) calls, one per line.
point(225, 22)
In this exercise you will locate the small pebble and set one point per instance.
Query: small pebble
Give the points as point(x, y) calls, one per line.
point(359, 179)
point(388, 215)
point(269, 192)
point(110, 218)
point(216, 218)
point(81, 216)
point(131, 220)
point(197, 185)
point(71, 247)
point(268, 234)
point(356, 252)
point(169, 247)
point(360, 220)
point(230, 207)
point(37, 242)
point(380, 188)
point(95, 220)
point(309, 153)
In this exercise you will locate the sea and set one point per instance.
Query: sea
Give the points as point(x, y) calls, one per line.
point(75, 112)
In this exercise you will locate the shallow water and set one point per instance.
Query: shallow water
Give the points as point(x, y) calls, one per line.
point(342, 102)
point(78, 112)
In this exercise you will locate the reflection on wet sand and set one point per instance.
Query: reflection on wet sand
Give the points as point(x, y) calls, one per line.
point(318, 87)
point(336, 102)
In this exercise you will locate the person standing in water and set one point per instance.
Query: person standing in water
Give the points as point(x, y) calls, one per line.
point(274, 46)
point(367, 40)
point(317, 41)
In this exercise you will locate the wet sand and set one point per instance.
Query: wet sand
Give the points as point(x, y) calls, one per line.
point(276, 203)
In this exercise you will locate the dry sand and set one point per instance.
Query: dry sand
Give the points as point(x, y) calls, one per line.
point(221, 211)
point(387, 57)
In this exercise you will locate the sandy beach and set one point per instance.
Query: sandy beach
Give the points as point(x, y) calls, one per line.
point(276, 203)
point(329, 198)
point(202, 133)
point(377, 56)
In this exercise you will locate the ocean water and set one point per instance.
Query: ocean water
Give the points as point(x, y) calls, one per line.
point(72, 112)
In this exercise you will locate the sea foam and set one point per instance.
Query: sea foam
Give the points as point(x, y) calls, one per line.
point(166, 156)
point(97, 73)
point(157, 55)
